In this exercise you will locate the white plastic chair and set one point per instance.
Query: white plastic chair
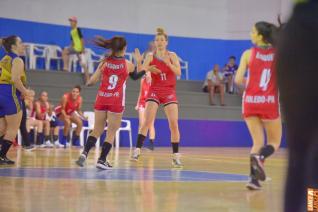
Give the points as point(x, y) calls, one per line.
point(27, 53)
point(184, 66)
point(125, 128)
point(91, 120)
point(34, 51)
point(92, 60)
point(52, 52)
point(73, 59)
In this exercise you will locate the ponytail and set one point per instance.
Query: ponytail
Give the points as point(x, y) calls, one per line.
point(161, 31)
point(268, 31)
point(115, 44)
point(7, 42)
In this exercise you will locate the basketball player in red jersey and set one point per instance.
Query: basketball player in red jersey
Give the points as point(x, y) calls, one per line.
point(110, 100)
point(162, 91)
point(69, 111)
point(260, 99)
point(141, 104)
point(42, 107)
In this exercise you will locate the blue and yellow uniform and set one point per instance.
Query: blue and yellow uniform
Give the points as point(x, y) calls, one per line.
point(10, 97)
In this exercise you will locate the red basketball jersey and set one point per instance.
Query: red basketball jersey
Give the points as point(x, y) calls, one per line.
point(261, 93)
point(43, 111)
point(167, 78)
point(113, 82)
point(71, 105)
point(144, 89)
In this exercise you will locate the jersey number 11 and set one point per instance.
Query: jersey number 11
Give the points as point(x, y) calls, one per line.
point(163, 76)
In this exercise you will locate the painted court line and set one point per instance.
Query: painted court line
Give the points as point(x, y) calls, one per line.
point(161, 175)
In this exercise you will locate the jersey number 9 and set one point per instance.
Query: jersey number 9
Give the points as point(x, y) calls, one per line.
point(113, 79)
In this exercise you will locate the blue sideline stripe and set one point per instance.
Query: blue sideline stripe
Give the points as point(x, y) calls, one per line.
point(160, 175)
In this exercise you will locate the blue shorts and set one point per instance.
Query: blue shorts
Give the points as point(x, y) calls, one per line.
point(10, 100)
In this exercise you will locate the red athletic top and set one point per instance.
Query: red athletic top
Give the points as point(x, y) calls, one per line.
point(43, 110)
point(113, 83)
point(30, 112)
point(71, 105)
point(167, 79)
point(144, 90)
point(261, 93)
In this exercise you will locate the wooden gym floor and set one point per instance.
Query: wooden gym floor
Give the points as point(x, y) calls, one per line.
point(213, 179)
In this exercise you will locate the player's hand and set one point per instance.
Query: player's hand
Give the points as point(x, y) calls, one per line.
point(136, 107)
point(148, 77)
point(153, 69)
point(167, 60)
point(137, 56)
point(28, 93)
point(88, 83)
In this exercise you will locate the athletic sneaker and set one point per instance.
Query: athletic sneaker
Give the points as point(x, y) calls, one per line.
point(151, 146)
point(67, 144)
point(176, 163)
point(136, 154)
point(58, 144)
point(6, 161)
point(104, 165)
point(29, 148)
point(258, 166)
point(81, 160)
point(49, 144)
point(253, 184)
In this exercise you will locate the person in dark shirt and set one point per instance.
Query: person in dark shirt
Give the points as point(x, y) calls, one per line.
point(229, 71)
point(297, 79)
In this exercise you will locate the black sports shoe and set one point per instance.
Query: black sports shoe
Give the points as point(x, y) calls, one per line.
point(6, 161)
point(104, 165)
point(253, 184)
point(258, 166)
point(151, 146)
point(29, 148)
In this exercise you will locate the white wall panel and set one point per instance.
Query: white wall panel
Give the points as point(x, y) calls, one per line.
point(222, 19)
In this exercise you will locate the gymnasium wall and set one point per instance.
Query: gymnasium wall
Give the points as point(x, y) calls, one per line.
point(202, 32)
point(198, 133)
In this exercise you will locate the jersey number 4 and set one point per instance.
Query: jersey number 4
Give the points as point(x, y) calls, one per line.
point(113, 79)
point(265, 79)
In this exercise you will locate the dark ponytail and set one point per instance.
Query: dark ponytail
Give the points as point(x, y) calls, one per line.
point(115, 44)
point(8, 42)
point(268, 31)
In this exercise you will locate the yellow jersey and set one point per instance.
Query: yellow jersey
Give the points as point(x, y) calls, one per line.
point(76, 36)
point(5, 69)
